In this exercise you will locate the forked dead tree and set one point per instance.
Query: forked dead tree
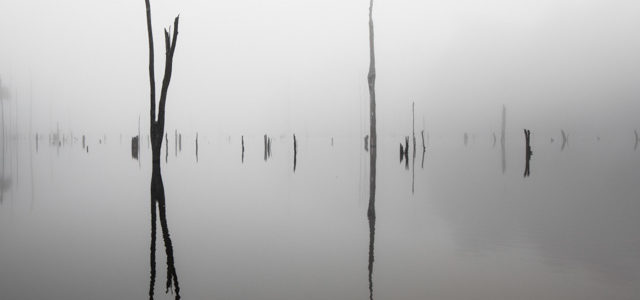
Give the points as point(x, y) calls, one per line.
point(156, 129)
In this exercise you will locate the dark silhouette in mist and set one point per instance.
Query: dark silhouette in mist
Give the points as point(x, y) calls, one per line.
point(366, 143)
point(406, 152)
point(528, 152)
point(413, 127)
point(265, 147)
point(635, 147)
point(565, 140)
point(135, 148)
point(371, 210)
point(242, 142)
point(156, 132)
point(503, 139)
point(466, 139)
point(196, 147)
point(295, 153)
point(424, 149)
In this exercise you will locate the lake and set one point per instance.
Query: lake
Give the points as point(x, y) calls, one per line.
point(453, 226)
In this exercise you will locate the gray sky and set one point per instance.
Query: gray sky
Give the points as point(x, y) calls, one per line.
point(249, 66)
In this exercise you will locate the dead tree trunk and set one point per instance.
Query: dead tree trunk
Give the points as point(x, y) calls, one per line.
point(371, 210)
point(156, 130)
point(265, 147)
point(295, 153)
point(413, 127)
point(528, 152)
point(424, 149)
point(503, 139)
point(366, 143)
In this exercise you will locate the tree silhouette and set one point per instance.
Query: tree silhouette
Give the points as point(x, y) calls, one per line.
point(156, 129)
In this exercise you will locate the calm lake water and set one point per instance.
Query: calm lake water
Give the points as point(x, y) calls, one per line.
point(257, 230)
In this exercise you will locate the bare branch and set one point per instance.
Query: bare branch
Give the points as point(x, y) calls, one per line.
point(152, 80)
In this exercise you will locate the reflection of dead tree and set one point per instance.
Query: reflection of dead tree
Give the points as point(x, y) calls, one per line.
point(528, 152)
point(156, 132)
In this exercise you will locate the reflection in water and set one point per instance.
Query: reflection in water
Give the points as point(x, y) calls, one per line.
point(635, 147)
point(413, 172)
point(528, 152)
point(502, 139)
point(565, 139)
point(158, 199)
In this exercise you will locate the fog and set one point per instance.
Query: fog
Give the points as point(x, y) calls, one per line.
point(276, 174)
point(249, 67)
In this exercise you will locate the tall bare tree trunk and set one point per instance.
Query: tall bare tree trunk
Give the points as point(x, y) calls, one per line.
point(156, 130)
point(371, 211)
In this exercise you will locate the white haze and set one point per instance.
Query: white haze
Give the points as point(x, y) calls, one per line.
point(282, 66)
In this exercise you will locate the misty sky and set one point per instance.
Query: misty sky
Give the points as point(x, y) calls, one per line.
point(250, 66)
